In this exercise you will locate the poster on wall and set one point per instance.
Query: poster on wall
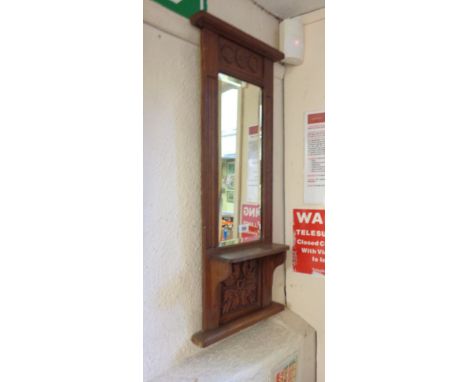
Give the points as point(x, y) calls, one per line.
point(314, 158)
point(309, 241)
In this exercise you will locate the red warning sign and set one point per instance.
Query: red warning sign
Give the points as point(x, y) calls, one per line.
point(309, 241)
point(250, 227)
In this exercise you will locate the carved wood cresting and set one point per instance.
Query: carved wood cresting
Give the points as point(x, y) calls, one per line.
point(240, 61)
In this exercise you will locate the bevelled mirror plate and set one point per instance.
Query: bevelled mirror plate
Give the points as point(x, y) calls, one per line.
point(240, 158)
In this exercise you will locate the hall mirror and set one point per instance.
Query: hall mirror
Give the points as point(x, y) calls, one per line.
point(240, 156)
point(238, 253)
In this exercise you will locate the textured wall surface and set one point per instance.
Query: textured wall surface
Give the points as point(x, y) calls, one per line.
point(253, 354)
point(172, 271)
point(304, 91)
point(244, 14)
point(247, 16)
point(172, 232)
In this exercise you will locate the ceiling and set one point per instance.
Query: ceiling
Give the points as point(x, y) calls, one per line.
point(284, 9)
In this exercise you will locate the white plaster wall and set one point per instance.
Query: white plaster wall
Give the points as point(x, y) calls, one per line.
point(304, 90)
point(172, 272)
point(243, 14)
point(172, 258)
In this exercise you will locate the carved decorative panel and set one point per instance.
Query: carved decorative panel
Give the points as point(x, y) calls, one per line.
point(241, 61)
point(240, 290)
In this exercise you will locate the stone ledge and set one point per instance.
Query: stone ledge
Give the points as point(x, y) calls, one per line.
point(252, 354)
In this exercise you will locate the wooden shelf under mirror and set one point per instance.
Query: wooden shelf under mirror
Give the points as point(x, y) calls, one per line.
point(239, 257)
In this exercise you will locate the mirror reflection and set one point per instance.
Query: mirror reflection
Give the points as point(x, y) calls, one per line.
point(240, 148)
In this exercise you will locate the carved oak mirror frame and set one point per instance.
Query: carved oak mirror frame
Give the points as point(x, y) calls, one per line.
point(246, 267)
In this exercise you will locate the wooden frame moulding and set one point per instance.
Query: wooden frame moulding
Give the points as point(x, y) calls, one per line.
point(226, 49)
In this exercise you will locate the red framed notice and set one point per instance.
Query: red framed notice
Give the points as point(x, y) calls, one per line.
point(309, 241)
point(314, 158)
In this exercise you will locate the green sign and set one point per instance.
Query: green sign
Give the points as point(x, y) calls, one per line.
point(185, 8)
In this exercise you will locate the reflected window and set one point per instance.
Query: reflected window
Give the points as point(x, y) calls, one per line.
point(240, 161)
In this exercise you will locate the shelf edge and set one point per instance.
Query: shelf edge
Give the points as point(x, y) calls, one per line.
point(209, 337)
